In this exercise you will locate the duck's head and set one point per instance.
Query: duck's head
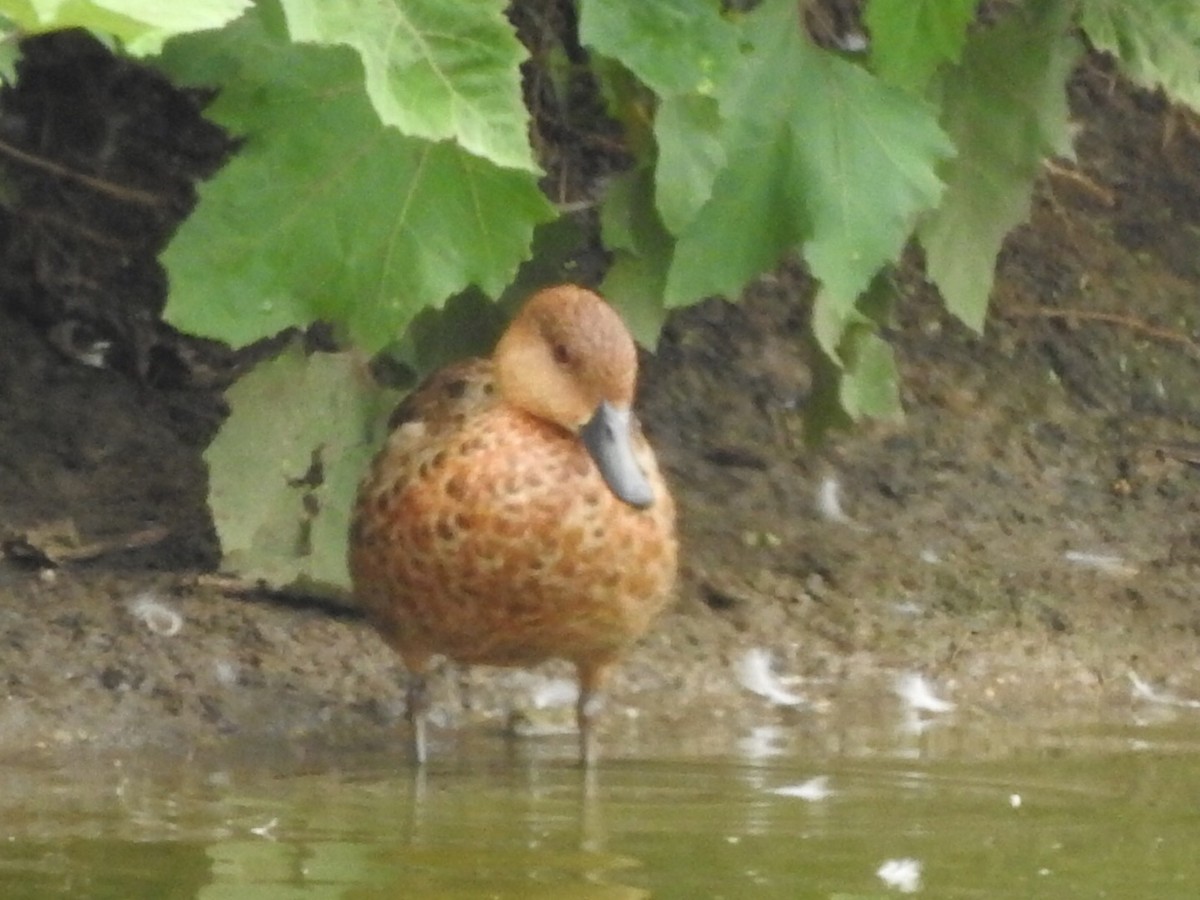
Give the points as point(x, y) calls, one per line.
point(569, 359)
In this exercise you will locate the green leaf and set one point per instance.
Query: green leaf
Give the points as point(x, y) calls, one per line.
point(690, 156)
point(833, 320)
point(830, 320)
point(634, 285)
point(869, 383)
point(631, 227)
point(1006, 108)
point(681, 49)
point(284, 467)
point(10, 53)
point(754, 217)
point(1157, 41)
point(142, 26)
point(821, 154)
point(674, 46)
point(911, 38)
point(628, 102)
point(470, 324)
point(854, 372)
point(434, 69)
point(325, 213)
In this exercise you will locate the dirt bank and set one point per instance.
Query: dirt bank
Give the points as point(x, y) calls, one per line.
point(1027, 537)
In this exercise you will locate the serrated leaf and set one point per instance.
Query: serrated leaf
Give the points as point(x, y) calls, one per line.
point(629, 102)
point(821, 154)
point(911, 38)
point(830, 320)
point(325, 213)
point(283, 468)
point(634, 286)
point(142, 26)
point(631, 227)
point(469, 324)
point(434, 70)
point(674, 46)
point(869, 382)
point(690, 157)
point(1006, 107)
point(752, 220)
point(1157, 42)
point(628, 217)
point(10, 54)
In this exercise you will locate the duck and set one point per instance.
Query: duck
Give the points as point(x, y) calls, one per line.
point(516, 512)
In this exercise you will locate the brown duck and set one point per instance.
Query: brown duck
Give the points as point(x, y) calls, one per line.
point(516, 513)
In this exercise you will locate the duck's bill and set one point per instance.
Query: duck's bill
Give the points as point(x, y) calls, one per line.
point(608, 437)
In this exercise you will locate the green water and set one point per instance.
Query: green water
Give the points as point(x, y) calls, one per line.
point(1107, 812)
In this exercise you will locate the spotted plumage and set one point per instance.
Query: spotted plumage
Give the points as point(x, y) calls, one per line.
point(490, 528)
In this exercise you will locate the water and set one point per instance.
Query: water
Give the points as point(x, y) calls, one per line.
point(1102, 812)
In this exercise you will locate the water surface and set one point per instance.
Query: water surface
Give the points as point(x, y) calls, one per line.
point(1109, 811)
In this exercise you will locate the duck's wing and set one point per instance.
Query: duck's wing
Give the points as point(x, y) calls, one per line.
point(421, 428)
point(446, 399)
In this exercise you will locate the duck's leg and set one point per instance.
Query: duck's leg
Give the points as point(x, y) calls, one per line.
point(418, 708)
point(417, 703)
point(592, 676)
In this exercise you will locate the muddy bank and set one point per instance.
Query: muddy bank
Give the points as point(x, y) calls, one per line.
point(1026, 538)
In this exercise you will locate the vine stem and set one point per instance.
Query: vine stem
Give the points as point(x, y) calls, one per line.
point(1130, 323)
point(116, 191)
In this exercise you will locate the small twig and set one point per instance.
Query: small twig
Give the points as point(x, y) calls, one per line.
point(1187, 453)
point(99, 185)
point(1121, 320)
point(258, 590)
point(20, 547)
point(147, 537)
point(574, 206)
point(1103, 194)
point(238, 586)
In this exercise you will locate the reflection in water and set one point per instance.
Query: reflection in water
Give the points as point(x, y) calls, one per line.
point(780, 824)
point(528, 831)
point(536, 831)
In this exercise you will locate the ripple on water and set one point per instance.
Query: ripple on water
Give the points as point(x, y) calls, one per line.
point(1044, 820)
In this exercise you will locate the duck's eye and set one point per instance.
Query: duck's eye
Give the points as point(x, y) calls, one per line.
point(562, 355)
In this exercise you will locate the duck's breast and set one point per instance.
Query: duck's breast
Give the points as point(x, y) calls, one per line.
point(488, 535)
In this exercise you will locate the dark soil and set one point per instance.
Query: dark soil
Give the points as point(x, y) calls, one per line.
point(1027, 537)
